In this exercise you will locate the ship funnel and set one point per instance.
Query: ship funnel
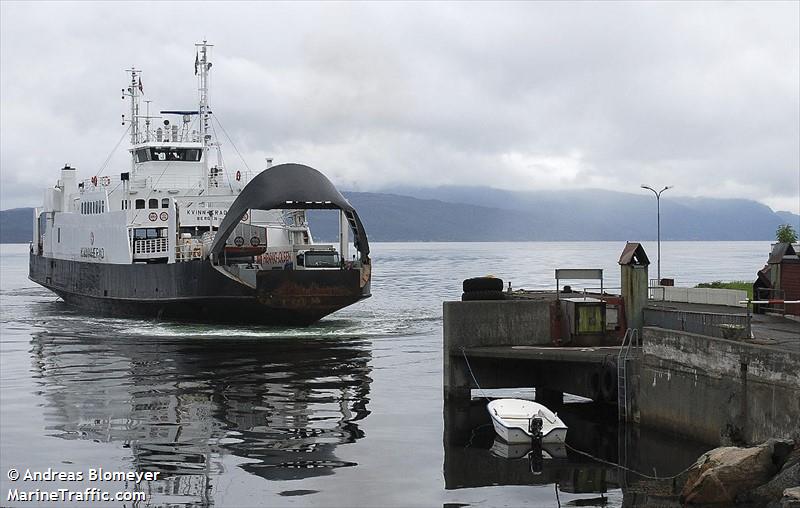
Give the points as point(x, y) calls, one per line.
point(68, 178)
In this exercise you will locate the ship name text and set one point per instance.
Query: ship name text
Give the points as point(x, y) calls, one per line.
point(93, 252)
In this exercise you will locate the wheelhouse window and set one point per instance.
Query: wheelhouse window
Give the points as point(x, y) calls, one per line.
point(148, 233)
point(140, 204)
point(142, 155)
point(165, 203)
point(173, 154)
point(153, 203)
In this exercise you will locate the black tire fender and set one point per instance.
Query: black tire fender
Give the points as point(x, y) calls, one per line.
point(595, 391)
point(482, 295)
point(482, 284)
point(608, 382)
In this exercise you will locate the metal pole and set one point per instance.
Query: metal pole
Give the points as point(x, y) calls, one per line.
point(658, 223)
point(658, 237)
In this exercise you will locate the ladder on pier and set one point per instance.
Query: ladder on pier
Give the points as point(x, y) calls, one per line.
point(629, 348)
point(630, 345)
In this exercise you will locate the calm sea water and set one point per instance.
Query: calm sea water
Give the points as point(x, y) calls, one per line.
point(344, 413)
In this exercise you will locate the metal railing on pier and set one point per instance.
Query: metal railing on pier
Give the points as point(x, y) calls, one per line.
point(656, 292)
point(724, 326)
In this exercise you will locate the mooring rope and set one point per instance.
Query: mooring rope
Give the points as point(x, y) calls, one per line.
point(469, 367)
point(474, 432)
point(620, 466)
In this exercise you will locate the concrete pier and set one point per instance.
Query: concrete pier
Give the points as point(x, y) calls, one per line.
point(488, 323)
point(507, 344)
point(709, 389)
point(715, 374)
point(718, 391)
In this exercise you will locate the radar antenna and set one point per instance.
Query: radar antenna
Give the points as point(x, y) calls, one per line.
point(201, 68)
point(133, 91)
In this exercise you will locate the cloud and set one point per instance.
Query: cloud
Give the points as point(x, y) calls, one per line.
point(703, 96)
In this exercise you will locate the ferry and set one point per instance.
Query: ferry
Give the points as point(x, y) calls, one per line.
point(180, 235)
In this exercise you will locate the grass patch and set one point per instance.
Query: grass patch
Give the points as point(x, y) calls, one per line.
point(734, 284)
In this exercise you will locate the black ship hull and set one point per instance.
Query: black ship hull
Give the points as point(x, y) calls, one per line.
point(196, 291)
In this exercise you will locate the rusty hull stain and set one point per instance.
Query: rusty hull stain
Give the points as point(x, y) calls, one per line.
point(316, 290)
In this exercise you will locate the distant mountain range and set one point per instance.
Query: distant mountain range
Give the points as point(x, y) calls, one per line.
point(485, 214)
point(16, 225)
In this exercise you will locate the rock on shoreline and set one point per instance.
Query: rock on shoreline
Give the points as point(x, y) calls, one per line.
point(766, 475)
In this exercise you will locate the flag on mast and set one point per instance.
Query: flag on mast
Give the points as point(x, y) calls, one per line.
point(141, 89)
point(196, 63)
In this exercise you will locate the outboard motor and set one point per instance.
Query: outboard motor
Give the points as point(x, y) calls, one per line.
point(535, 456)
point(535, 429)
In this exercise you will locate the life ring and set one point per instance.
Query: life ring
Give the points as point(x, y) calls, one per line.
point(164, 216)
point(238, 176)
point(153, 216)
point(94, 181)
point(106, 181)
point(245, 217)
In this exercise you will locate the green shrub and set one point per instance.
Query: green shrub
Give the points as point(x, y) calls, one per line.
point(786, 234)
point(734, 284)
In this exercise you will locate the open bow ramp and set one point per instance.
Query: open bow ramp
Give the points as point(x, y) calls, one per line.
point(303, 289)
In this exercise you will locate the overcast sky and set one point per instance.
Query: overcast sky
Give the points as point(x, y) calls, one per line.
point(702, 96)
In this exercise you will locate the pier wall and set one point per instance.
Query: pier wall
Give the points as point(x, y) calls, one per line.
point(717, 390)
point(497, 323)
point(488, 323)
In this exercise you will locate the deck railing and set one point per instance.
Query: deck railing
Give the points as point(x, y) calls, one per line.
point(150, 248)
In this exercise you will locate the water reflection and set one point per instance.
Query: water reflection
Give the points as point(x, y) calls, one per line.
point(476, 457)
point(280, 405)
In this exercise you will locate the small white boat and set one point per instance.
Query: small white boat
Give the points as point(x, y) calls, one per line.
point(518, 420)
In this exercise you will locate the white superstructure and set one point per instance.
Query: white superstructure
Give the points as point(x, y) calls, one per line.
point(165, 207)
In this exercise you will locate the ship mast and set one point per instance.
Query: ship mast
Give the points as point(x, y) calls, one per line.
point(201, 68)
point(134, 92)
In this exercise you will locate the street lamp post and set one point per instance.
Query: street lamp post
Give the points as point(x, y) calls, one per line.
point(658, 219)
